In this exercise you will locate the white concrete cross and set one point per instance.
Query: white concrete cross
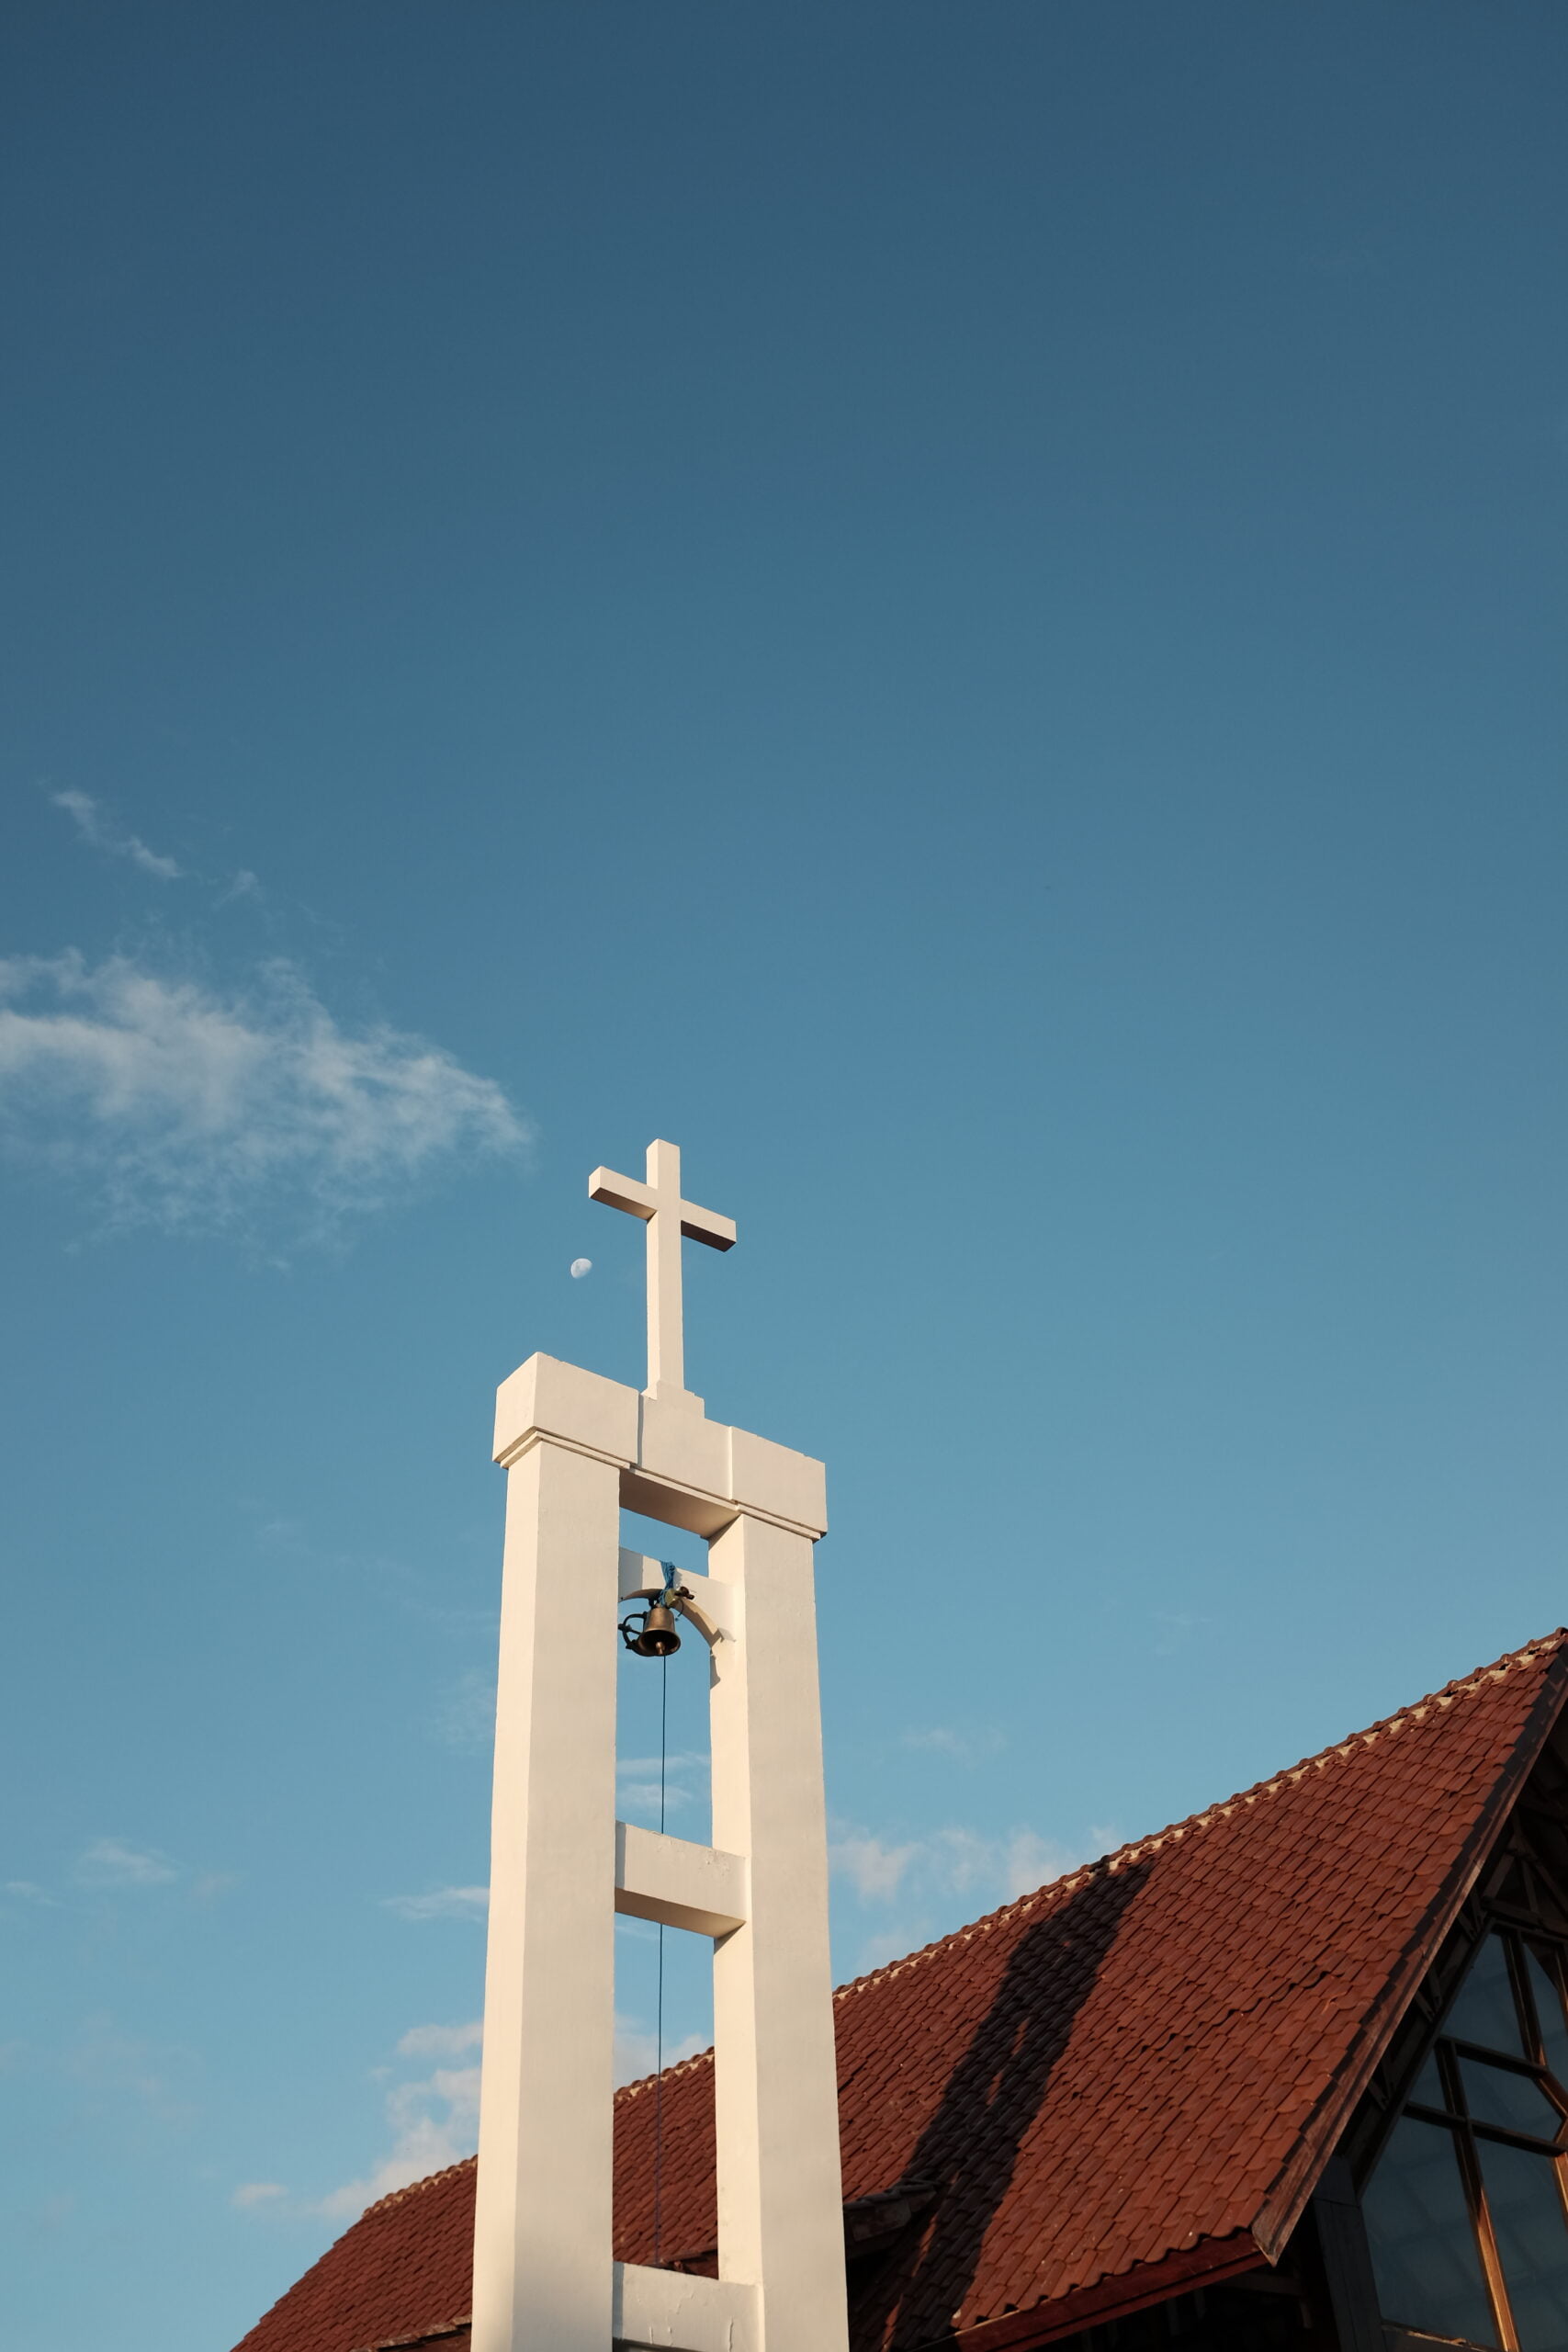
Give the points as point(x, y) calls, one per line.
point(668, 1218)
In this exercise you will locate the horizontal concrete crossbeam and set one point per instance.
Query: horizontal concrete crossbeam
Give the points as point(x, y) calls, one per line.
point(672, 1880)
point(661, 2308)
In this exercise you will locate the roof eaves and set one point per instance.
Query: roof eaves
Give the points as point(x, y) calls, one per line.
point(426, 2336)
point(1207, 2264)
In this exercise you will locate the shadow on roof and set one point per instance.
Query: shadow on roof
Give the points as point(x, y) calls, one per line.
point(968, 2150)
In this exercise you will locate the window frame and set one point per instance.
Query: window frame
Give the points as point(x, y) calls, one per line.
point(1446, 2050)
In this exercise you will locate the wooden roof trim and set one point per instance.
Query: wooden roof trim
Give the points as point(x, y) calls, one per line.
point(427, 2334)
point(1207, 2264)
point(1288, 2198)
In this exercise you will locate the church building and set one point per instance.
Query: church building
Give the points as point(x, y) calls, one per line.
point(1293, 2074)
point(1288, 2077)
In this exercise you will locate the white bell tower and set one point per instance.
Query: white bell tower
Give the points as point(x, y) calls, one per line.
point(576, 1449)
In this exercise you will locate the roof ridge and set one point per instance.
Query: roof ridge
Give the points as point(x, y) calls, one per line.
point(413, 2187)
point(680, 2066)
point(1135, 1848)
point(1119, 1858)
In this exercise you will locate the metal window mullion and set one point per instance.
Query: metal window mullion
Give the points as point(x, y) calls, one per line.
point(1532, 2070)
point(1476, 2197)
point(1529, 2141)
point(1504, 2060)
point(1523, 1998)
point(1551, 1960)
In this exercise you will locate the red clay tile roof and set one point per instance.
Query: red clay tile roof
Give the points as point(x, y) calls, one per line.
point(405, 2269)
point(1145, 2063)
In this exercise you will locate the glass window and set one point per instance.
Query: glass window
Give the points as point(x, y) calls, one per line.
point(1423, 2249)
point(1549, 2010)
point(1532, 2239)
point(1484, 2007)
point(1496, 2094)
point(1428, 2090)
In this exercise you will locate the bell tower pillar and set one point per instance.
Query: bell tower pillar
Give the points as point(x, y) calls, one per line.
point(545, 2152)
point(577, 1448)
point(776, 2081)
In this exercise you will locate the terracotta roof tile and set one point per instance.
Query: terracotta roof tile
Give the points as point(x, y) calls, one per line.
point(406, 2265)
point(1155, 2052)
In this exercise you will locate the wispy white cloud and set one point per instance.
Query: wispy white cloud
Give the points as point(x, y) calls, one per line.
point(638, 1798)
point(935, 1882)
point(466, 1717)
point(211, 1884)
point(109, 1861)
point(962, 1747)
point(638, 1792)
point(442, 2041)
point(637, 2051)
point(441, 1902)
point(23, 1890)
point(1029, 1861)
point(939, 1739)
point(100, 832)
point(96, 829)
point(180, 1105)
point(433, 2121)
point(874, 1868)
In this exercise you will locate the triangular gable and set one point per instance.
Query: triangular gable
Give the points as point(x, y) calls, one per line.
point(1126, 2080)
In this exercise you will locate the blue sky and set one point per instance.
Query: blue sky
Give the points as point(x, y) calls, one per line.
point(960, 609)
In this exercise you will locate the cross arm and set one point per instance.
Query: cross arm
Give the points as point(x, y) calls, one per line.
point(701, 1224)
point(640, 1200)
point(622, 1193)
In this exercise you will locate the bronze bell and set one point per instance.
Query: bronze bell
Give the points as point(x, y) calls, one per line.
point(657, 1636)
